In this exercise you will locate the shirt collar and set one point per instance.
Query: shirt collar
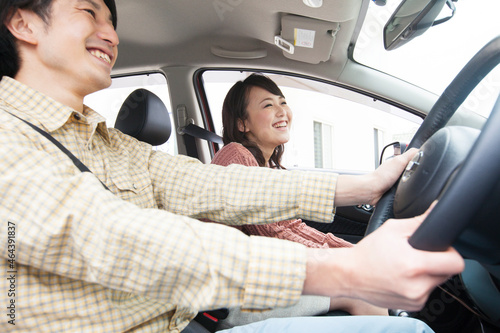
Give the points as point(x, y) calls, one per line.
point(95, 118)
point(49, 113)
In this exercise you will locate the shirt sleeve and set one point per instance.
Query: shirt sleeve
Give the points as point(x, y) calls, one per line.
point(237, 194)
point(69, 225)
point(293, 230)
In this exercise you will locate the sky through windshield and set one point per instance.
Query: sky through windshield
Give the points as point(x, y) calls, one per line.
point(433, 59)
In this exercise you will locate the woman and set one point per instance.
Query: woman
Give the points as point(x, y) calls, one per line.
point(256, 125)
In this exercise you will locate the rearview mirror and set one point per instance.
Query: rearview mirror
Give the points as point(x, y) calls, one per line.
point(411, 19)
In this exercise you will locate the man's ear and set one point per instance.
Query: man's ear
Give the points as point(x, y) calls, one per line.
point(241, 126)
point(22, 24)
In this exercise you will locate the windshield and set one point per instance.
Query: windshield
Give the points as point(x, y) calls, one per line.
point(433, 59)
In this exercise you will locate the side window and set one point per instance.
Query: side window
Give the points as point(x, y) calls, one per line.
point(107, 102)
point(323, 145)
point(333, 128)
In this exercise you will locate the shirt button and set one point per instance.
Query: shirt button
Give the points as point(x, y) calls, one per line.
point(134, 186)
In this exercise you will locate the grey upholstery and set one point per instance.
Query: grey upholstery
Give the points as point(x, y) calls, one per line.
point(145, 117)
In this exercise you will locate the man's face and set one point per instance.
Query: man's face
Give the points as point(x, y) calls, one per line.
point(79, 46)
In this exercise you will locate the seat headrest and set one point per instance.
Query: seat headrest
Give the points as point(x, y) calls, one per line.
point(145, 117)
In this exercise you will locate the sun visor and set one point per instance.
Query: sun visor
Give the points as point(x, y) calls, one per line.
point(306, 39)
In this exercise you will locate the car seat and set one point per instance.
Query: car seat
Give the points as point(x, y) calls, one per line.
point(145, 117)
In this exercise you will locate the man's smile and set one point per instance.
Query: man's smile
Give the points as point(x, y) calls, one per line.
point(101, 55)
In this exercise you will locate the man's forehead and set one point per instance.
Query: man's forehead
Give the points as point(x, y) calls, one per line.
point(92, 2)
point(97, 4)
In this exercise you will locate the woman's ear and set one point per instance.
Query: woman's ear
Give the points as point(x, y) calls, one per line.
point(22, 25)
point(241, 126)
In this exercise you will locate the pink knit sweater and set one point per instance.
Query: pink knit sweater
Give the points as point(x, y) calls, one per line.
point(293, 230)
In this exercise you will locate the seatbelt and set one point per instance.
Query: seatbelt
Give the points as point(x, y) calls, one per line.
point(192, 132)
point(79, 164)
point(201, 133)
point(210, 319)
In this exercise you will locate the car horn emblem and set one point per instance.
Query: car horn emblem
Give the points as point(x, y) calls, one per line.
point(412, 166)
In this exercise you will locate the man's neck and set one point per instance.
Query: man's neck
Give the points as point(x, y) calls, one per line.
point(53, 88)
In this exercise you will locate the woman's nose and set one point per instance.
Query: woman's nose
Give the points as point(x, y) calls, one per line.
point(280, 110)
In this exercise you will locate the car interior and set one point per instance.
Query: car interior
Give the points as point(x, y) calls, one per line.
point(366, 79)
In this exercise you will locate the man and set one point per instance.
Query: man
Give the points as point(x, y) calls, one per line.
point(132, 258)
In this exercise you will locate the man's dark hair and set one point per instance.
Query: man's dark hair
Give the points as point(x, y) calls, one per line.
point(9, 55)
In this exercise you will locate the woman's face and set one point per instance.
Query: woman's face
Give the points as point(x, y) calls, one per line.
point(269, 120)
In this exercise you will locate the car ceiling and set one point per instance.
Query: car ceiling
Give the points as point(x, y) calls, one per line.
point(182, 32)
point(161, 34)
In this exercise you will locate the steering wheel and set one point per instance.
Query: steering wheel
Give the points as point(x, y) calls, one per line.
point(456, 165)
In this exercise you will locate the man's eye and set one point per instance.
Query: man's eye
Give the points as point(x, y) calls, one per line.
point(91, 12)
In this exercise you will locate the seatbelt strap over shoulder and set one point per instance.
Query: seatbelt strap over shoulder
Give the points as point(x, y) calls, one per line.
point(79, 164)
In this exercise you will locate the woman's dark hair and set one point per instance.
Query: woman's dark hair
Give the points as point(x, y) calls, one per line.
point(235, 108)
point(9, 55)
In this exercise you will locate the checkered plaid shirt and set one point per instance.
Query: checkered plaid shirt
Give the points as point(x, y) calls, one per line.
point(79, 258)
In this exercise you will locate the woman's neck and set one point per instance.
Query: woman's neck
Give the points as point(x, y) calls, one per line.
point(267, 155)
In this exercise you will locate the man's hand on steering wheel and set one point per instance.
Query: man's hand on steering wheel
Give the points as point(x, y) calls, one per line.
point(388, 173)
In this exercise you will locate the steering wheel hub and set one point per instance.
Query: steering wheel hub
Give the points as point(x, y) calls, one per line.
point(412, 166)
point(432, 167)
